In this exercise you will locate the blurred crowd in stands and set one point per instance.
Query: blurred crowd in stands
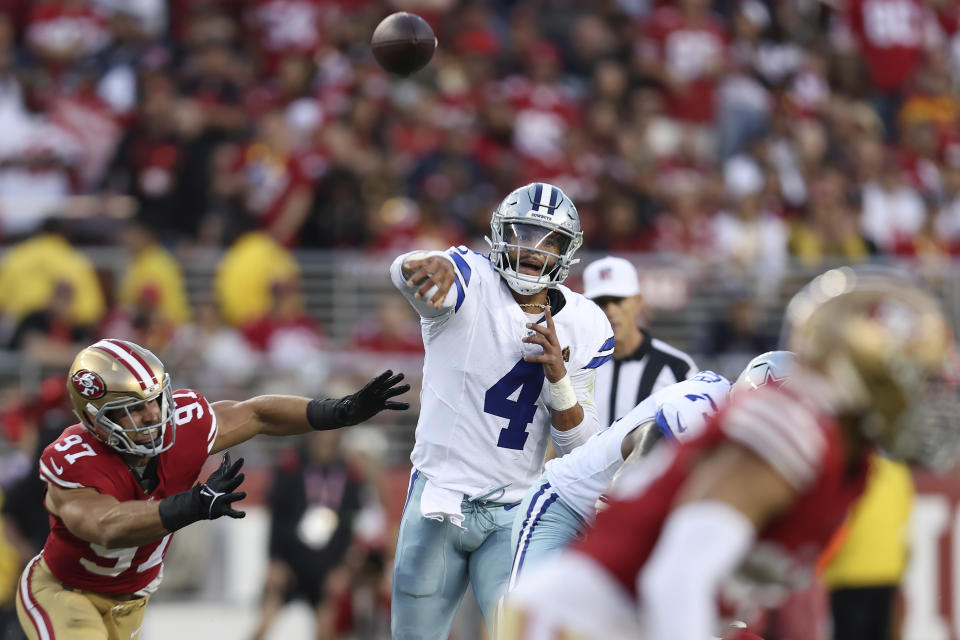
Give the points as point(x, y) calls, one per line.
point(756, 129)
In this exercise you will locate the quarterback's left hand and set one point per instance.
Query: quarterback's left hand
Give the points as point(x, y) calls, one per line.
point(552, 356)
point(372, 399)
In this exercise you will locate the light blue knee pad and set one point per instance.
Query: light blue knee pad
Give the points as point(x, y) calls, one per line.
point(542, 525)
point(435, 560)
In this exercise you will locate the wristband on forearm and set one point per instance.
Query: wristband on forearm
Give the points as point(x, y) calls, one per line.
point(181, 509)
point(562, 395)
point(324, 415)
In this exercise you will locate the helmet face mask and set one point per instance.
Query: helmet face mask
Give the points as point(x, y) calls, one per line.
point(924, 431)
point(886, 349)
point(111, 385)
point(535, 233)
point(120, 428)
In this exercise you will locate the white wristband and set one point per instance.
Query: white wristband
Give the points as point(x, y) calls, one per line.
point(562, 395)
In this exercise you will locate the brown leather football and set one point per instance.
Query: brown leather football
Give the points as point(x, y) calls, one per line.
point(403, 43)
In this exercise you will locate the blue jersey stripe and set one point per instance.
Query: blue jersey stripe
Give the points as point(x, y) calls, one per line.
point(460, 294)
point(661, 421)
point(596, 362)
point(413, 481)
point(607, 345)
point(462, 265)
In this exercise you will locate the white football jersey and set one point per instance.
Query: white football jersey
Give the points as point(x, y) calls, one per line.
point(484, 422)
point(680, 411)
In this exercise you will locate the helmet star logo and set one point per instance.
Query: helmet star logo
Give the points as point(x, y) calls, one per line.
point(770, 380)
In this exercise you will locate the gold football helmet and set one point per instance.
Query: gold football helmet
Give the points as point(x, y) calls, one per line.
point(115, 376)
point(888, 351)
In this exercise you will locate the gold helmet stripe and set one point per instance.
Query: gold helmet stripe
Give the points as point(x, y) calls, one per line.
point(133, 363)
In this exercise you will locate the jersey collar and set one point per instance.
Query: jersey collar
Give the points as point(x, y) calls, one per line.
point(645, 346)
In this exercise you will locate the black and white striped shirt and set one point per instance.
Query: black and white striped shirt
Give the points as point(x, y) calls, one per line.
point(623, 384)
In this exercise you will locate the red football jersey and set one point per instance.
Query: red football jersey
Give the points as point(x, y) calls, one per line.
point(690, 52)
point(78, 459)
point(892, 35)
point(795, 436)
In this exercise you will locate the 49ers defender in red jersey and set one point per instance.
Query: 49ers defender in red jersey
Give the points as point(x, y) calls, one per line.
point(79, 459)
point(739, 515)
point(123, 480)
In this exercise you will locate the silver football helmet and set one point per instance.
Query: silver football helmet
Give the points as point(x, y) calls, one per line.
point(535, 232)
point(767, 369)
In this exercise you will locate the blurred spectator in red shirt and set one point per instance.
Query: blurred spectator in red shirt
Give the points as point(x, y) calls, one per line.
point(624, 226)
point(685, 49)
point(891, 36)
point(394, 329)
point(543, 109)
point(284, 27)
point(144, 321)
point(684, 226)
point(400, 224)
point(82, 129)
point(289, 339)
point(60, 32)
point(270, 180)
point(286, 313)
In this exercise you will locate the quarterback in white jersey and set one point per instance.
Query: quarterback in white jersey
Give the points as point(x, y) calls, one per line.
point(562, 504)
point(511, 356)
point(485, 419)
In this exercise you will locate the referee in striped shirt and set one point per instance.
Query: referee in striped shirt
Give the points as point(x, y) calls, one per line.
point(641, 364)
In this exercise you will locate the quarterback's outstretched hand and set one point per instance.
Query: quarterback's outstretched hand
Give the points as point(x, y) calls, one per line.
point(217, 493)
point(207, 501)
point(373, 398)
point(427, 273)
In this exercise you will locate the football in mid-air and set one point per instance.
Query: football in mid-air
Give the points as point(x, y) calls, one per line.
point(403, 43)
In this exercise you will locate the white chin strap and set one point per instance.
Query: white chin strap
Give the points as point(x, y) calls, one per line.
point(522, 286)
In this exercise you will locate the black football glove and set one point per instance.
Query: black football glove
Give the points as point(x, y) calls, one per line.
point(373, 398)
point(207, 501)
point(217, 493)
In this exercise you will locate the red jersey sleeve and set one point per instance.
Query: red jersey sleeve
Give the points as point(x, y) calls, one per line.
point(196, 433)
point(783, 431)
point(76, 460)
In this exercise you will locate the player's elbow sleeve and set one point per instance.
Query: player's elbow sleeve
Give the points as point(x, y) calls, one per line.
point(566, 441)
